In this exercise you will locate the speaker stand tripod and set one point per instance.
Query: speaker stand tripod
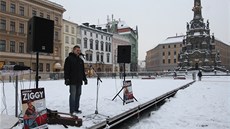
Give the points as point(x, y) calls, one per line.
point(122, 89)
point(96, 113)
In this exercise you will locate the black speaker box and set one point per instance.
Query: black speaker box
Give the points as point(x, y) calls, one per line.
point(40, 35)
point(124, 54)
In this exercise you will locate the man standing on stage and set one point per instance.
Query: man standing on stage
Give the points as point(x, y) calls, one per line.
point(74, 74)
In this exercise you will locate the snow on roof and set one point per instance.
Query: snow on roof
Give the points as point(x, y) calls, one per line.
point(122, 24)
point(175, 39)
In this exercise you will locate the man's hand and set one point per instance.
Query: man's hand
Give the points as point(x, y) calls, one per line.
point(67, 82)
point(85, 82)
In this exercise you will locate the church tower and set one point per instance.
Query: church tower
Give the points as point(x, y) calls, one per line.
point(198, 50)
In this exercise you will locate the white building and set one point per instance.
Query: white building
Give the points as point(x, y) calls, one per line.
point(71, 38)
point(96, 44)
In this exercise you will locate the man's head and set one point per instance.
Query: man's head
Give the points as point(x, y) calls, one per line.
point(29, 103)
point(77, 50)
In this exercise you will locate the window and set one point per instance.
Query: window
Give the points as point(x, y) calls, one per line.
point(108, 58)
point(72, 40)
point(163, 61)
point(48, 16)
point(41, 14)
point(21, 47)
point(169, 53)
point(163, 53)
point(67, 39)
point(98, 57)
point(72, 30)
point(3, 24)
point(85, 43)
point(91, 34)
point(47, 67)
point(66, 51)
point(12, 46)
point(34, 12)
point(66, 28)
point(96, 35)
point(12, 8)
point(41, 67)
point(56, 35)
point(102, 57)
point(91, 44)
point(12, 26)
point(169, 61)
point(168, 46)
point(180, 45)
point(34, 66)
point(174, 52)
point(78, 41)
point(174, 61)
point(101, 36)
point(96, 44)
point(85, 32)
point(110, 47)
point(106, 47)
point(106, 37)
point(3, 6)
point(21, 10)
point(102, 46)
point(56, 20)
point(2, 45)
point(21, 28)
point(90, 57)
point(163, 47)
point(174, 45)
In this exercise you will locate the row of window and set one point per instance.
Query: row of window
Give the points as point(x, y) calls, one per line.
point(107, 45)
point(169, 46)
point(13, 46)
point(67, 29)
point(99, 57)
point(169, 61)
point(97, 35)
point(169, 53)
point(21, 26)
point(67, 40)
point(21, 11)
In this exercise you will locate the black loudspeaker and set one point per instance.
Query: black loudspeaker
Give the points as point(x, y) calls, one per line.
point(124, 54)
point(40, 35)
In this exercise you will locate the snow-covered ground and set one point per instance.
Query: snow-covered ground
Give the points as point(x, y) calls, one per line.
point(205, 104)
point(57, 95)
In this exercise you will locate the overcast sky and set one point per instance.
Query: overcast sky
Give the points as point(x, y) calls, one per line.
point(156, 19)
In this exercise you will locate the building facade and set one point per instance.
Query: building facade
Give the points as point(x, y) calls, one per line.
point(71, 38)
point(165, 55)
point(96, 44)
point(132, 35)
point(14, 15)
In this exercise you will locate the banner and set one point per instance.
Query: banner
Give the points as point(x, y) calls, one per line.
point(128, 92)
point(34, 109)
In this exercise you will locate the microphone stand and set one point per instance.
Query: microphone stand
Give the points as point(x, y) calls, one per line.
point(96, 113)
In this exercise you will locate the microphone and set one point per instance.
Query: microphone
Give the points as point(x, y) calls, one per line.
point(81, 54)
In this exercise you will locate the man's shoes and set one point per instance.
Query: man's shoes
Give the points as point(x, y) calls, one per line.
point(78, 111)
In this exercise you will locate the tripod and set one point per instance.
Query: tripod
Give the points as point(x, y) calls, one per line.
point(122, 89)
point(96, 113)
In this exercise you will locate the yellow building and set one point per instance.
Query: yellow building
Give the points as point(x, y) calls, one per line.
point(14, 15)
point(165, 55)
